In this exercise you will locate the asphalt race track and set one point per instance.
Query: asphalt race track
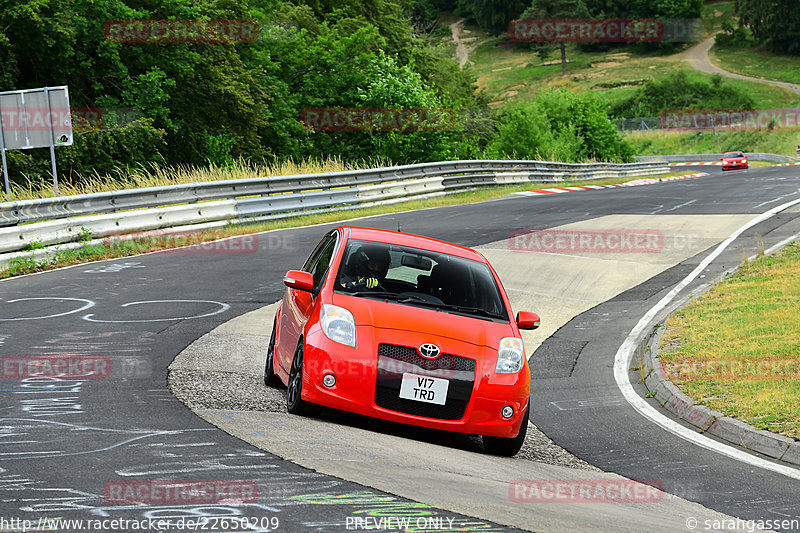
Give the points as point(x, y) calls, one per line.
point(66, 445)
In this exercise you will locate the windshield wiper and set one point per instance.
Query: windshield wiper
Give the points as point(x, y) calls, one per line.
point(450, 307)
point(399, 298)
point(383, 295)
point(472, 311)
point(369, 293)
point(418, 300)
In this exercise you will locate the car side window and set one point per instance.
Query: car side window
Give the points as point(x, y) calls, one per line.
point(320, 259)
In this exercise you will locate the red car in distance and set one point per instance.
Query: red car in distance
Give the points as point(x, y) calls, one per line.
point(407, 329)
point(734, 160)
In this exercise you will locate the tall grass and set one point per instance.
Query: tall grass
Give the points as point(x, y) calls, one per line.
point(698, 142)
point(155, 175)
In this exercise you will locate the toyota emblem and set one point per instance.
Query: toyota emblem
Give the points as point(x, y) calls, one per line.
point(429, 351)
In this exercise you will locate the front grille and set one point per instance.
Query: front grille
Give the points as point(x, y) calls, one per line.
point(394, 361)
point(409, 355)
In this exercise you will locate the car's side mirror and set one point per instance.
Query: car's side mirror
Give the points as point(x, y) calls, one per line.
point(526, 320)
point(297, 279)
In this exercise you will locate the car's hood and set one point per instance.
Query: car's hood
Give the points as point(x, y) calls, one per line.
point(402, 317)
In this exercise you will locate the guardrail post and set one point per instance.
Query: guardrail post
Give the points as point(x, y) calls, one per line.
point(5, 165)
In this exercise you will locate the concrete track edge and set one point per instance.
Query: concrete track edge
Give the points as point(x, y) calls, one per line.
point(735, 432)
point(440, 476)
point(706, 420)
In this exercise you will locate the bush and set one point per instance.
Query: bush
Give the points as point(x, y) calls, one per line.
point(679, 91)
point(733, 37)
point(558, 126)
point(94, 151)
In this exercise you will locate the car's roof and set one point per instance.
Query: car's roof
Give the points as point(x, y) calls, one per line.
point(414, 241)
point(734, 152)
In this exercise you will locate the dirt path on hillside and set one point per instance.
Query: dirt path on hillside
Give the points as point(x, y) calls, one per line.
point(698, 58)
point(462, 52)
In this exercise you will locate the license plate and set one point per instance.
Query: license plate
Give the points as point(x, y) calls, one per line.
point(424, 389)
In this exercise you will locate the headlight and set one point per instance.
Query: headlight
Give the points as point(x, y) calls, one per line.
point(510, 356)
point(338, 324)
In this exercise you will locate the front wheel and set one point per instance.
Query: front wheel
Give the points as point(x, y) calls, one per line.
point(270, 379)
point(507, 447)
point(294, 389)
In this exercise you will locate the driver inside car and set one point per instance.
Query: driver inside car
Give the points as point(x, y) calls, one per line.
point(368, 268)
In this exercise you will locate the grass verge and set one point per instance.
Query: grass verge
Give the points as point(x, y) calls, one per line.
point(109, 249)
point(699, 142)
point(757, 63)
point(736, 349)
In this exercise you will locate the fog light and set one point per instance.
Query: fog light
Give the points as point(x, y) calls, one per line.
point(329, 380)
point(507, 412)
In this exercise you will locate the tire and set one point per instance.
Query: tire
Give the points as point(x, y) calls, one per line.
point(270, 379)
point(507, 447)
point(294, 389)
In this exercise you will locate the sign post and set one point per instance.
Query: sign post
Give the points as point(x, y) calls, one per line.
point(5, 166)
point(35, 118)
point(52, 143)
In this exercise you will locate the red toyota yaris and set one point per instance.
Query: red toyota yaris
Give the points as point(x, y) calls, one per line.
point(403, 328)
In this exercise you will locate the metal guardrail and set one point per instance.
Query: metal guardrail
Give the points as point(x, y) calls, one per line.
point(685, 158)
point(67, 218)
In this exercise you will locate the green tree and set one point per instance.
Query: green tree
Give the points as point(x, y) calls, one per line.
point(200, 102)
point(774, 23)
point(555, 9)
point(492, 15)
point(676, 9)
point(558, 126)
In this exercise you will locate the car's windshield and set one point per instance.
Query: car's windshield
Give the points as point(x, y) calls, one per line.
point(734, 154)
point(422, 278)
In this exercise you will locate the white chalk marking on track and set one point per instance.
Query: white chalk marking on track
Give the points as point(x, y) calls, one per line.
point(87, 305)
point(222, 308)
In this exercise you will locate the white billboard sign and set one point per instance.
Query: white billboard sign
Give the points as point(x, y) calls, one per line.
point(35, 118)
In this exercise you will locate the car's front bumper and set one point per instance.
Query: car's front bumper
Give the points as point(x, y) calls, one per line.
point(734, 164)
point(368, 383)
